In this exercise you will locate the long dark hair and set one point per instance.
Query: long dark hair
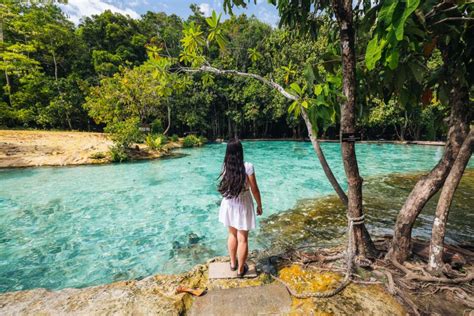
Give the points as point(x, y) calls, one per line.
point(233, 172)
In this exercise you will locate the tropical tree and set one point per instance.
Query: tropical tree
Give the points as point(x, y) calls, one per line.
point(404, 42)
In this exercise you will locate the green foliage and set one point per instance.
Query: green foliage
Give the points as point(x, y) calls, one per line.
point(202, 140)
point(174, 138)
point(385, 114)
point(111, 68)
point(156, 142)
point(118, 153)
point(124, 133)
point(392, 18)
point(193, 141)
point(216, 31)
point(157, 126)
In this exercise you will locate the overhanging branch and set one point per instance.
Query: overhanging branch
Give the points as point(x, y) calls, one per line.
point(313, 137)
point(270, 83)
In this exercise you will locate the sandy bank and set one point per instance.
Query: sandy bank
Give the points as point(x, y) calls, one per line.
point(50, 148)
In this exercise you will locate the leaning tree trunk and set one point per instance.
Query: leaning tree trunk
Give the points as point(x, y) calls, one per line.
point(343, 10)
point(169, 121)
point(428, 185)
point(322, 159)
point(438, 232)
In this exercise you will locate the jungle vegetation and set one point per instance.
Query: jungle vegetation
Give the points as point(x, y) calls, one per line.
point(57, 75)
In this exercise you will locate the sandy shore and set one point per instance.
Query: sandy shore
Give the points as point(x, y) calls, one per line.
point(50, 148)
point(47, 148)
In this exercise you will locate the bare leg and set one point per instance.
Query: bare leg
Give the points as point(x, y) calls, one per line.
point(242, 248)
point(232, 245)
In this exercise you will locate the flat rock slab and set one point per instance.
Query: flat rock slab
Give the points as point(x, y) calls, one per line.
point(221, 270)
point(272, 299)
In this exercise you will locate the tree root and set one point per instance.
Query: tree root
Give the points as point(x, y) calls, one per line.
point(399, 280)
point(410, 275)
point(342, 286)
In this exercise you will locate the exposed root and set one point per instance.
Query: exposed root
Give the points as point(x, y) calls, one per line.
point(408, 301)
point(411, 275)
point(408, 282)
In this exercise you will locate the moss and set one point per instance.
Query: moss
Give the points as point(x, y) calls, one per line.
point(355, 299)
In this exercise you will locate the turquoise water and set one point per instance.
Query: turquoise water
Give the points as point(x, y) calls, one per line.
point(79, 226)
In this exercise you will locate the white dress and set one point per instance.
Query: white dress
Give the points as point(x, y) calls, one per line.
point(239, 212)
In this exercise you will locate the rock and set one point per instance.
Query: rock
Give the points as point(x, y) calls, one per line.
point(272, 299)
point(156, 295)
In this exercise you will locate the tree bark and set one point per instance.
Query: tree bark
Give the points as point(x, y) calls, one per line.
point(9, 87)
point(343, 11)
point(169, 121)
point(55, 66)
point(435, 262)
point(428, 185)
point(322, 159)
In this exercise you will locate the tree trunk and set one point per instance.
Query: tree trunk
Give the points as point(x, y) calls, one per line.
point(55, 67)
point(322, 159)
point(169, 121)
point(343, 10)
point(68, 120)
point(9, 88)
point(428, 185)
point(403, 128)
point(435, 262)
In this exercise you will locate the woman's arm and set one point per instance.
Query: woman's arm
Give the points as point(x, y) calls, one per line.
point(255, 192)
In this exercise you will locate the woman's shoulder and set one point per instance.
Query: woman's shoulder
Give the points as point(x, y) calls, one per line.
point(249, 169)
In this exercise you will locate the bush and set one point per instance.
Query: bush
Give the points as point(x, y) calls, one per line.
point(156, 126)
point(174, 138)
point(203, 140)
point(194, 141)
point(125, 133)
point(155, 142)
point(118, 153)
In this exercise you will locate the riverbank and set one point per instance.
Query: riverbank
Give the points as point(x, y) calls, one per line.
point(33, 148)
point(368, 294)
point(157, 295)
point(24, 148)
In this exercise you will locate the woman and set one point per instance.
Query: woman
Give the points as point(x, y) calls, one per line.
point(237, 210)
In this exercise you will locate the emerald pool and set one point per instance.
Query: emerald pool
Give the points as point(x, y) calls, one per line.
point(87, 225)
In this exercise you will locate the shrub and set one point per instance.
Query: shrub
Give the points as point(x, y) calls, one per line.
point(97, 155)
point(174, 138)
point(193, 141)
point(124, 133)
point(156, 126)
point(203, 140)
point(118, 153)
point(156, 142)
point(153, 142)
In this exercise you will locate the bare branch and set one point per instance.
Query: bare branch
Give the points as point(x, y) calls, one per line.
point(270, 83)
point(454, 18)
